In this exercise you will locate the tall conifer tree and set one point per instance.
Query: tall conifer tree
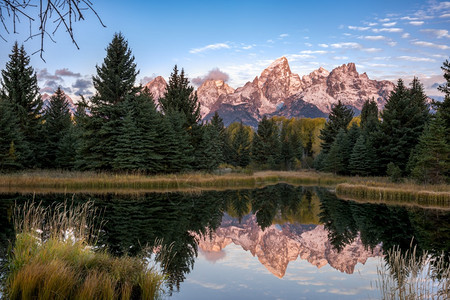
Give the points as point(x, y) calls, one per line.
point(404, 118)
point(339, 118)
point(19, 87)
point(114, 84)
point(57, 125)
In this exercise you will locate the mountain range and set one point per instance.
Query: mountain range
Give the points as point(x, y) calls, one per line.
point(280, 92)
point(277, 245)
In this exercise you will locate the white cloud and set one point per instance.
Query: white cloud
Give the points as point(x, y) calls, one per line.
point(432, 45)
point(392, 43)
point(295, 57)
point(210, 47)
point(416, 23)
point(283, 35)
point(371, 50)
point(387, 30)
point(373, 37)
point(389, 24)
point(323, 45)
point(358, 28)
point(409, 18)
point(347, 45)
point(406, 35)
point(384, 20)
point(439, 33)
point(440, 6)
point(445, 16)
point(314, 52)
point(340, 57)
point(270, 41)
point(381, 65)
point(372, 24)
point(247, 47)
point(308, 44)
point(416, 59)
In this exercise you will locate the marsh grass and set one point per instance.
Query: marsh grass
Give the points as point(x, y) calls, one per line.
point(410, 275)
point(399, 193)
point(54, 257)
point(80, 181)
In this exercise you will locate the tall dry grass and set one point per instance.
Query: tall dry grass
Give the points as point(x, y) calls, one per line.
point(400, 193)
point(414, 277)
point(54, 257)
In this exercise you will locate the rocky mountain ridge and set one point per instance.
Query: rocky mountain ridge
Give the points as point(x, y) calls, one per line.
point(278, 245)
point(279, 92)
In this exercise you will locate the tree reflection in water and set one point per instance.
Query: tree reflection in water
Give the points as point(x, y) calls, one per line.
point(134, 222)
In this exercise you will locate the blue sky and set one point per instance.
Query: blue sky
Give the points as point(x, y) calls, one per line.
point(386, 39)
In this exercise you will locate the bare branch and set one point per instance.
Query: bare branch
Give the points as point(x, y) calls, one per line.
point(59, 12)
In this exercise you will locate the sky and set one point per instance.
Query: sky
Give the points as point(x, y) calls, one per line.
point(235, 40)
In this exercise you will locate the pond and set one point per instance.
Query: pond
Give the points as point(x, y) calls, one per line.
point(276, 242)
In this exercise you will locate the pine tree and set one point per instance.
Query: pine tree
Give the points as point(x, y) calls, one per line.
point(12, 145)
point(288, 148)
point(339, 154)
point(431, 159)
point(444, 107)
point(362, 158)
point(221, 143)
point(19, 87)
point(180, 97)
point(369, 115)
point(240, 147)
point(57, 125)
point(177, 151)
point(404, 118)
point(334, 161)
point(266, 144)
point(339, 118)
point(114, 84)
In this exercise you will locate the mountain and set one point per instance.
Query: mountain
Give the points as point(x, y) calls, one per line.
point(279, 92)
point(46, 99)
point(157, 87)
point(277, 245)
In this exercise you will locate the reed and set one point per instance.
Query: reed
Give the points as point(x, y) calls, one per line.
point(411, 276)
point(54, 257)
point(74, 181)
point(412, 194)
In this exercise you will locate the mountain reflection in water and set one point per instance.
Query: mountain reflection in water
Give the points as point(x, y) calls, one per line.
point(277, 224)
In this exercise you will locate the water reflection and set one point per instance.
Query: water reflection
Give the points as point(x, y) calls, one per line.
point(278, 224)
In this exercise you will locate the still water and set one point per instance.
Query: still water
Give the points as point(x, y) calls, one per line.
point(277, 242)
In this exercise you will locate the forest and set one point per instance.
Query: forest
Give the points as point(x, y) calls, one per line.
point(122, 129)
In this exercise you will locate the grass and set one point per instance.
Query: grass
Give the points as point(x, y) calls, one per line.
point(377, 189)
point(412, 276)
point(406, 193)
point(90, 181)
point(53, 257)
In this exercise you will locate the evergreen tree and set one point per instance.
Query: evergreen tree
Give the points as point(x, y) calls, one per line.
point(217, 123)
point(177, 151)
point(444, 107)
point(114, 84)
point(57, 125)
point(288, 148)
point(334, 161)
point(208, 154)
point(369, 115)
point(339, 118)
point(404, 118)
point(240, 147)
point(266, 144)
point(431, 159)
point(180, 97)
point(12, 145)
point(19, 87)
point(337, 160)
point(362, 159)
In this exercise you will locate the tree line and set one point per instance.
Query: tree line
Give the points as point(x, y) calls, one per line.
point(405, 139)
point(121, 128)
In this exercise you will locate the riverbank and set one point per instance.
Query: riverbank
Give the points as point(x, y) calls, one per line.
point(377, 189)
